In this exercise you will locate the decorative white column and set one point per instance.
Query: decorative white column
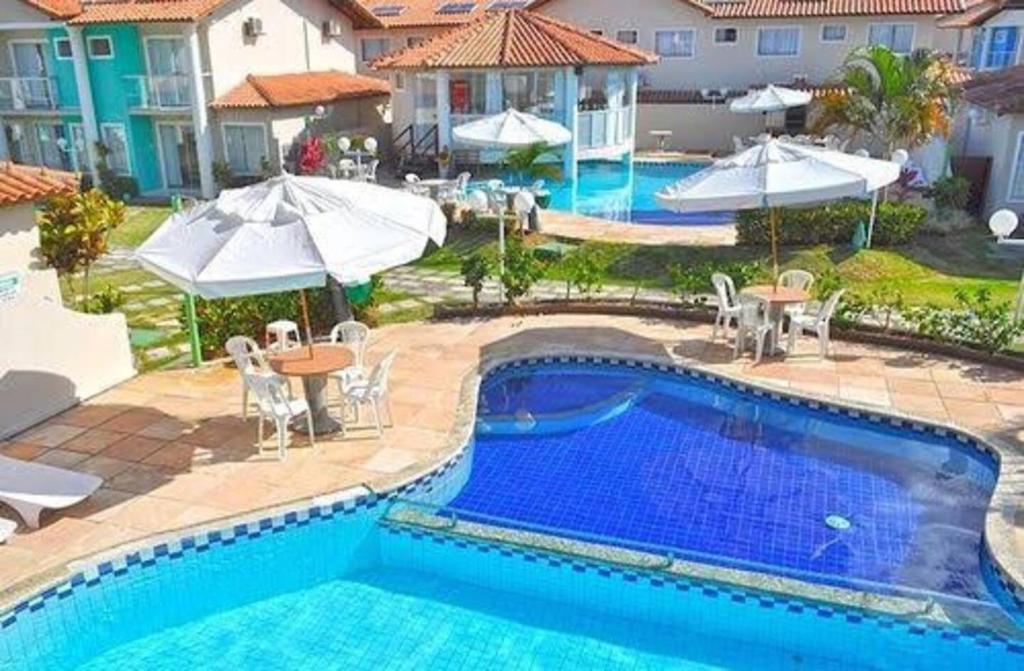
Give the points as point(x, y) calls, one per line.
point(444, 112)
point(632, 88)
point(572, 99)
point(85, 103)
point(494, 102)
point(200, 118)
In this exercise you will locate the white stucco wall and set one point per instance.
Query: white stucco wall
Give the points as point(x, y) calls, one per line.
point(293, 41)
point(734, 65)
point(52, 357)
point(695, 127)
point(19, 12)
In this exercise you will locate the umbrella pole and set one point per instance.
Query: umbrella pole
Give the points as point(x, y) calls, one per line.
point(871, 221)
point(193, 330)
point(773, 223)
point(305, 321)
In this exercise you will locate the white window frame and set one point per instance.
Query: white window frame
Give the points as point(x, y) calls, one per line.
point(636, 36)
point(846, 33)
point(127, 145)
point(721, 43)
point(362, 50)
point(10, 54)
point(96, 38)
point(913, 33)
point(799, 41)
point(56, 49)
point(241, 124)
point(1013, 171)
point(683, 29)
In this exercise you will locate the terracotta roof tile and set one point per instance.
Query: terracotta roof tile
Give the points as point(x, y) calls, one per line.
point(1001, 91)
point(146, 11)
point(977, 13)
point(758, 9)
point(24, 184)
point(764, 9)
point(58, 9)
point(304, 88)
point(515, 39)
point(413, 13)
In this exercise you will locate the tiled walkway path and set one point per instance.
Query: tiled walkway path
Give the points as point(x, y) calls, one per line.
point(174, 451)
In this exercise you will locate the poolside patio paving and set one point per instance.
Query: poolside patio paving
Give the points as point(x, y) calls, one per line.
point(174, 451)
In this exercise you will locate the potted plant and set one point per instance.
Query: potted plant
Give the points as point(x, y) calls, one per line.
point(444, 162)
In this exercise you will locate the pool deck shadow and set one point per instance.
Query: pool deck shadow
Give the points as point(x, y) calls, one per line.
point(174, 451)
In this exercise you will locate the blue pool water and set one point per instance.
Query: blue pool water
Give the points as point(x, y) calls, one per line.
point(350, 586)
point(625, 192)
point(644, 459)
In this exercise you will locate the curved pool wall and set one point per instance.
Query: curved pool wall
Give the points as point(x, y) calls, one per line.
point(333, 583)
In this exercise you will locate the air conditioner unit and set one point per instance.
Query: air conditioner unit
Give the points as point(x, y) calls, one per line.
point(333, 28)
point(253, 27)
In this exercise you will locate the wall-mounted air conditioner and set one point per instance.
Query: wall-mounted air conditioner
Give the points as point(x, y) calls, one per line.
point(333, 28)
point(253, 27)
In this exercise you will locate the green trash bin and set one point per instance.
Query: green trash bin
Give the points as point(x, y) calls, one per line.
point(358, 294)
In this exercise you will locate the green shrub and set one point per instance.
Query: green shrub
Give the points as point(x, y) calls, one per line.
point(522, 270)
point(896, 224)
point(219, 319)
point(475, 269)
point(367, 311)
point(584, 270)
point(692, 282)
point(977, 321)
point(106, 300)
point(951, 192)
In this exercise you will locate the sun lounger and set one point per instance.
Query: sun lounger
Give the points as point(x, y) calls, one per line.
point(7, 528)
point(30, 488)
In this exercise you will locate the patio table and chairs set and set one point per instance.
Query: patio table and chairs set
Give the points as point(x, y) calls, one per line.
point(759, 313)
point(351, 166)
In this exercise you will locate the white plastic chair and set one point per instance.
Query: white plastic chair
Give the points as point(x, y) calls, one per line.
point(282, 335)
point(355, 336)
point(818, 324)
point(537, 186)
point(272, 405)
point(496, 195)
point(249, 360)
point(728, 309)
point(371, 391)
point(737, 144)
point(412, 185)
point(369, 171)
point(347, 168)
point(795, 279)
point(753, 322)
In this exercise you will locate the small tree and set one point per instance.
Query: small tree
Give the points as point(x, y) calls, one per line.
point(535, 161)
point(476, 268)
point(583, 270)
point(312, 157)
point(74, 229)
point(522, 270)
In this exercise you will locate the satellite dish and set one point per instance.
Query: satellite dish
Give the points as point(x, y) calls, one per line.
point(1002, 223)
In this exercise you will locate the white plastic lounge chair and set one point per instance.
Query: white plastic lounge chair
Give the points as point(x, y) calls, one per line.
point(372, 392)
point(272, 405)
point(354, 335)
point(7, 528)
point(816, 323)
point(249, 360)
point(31, 488)
point(796, 279)
point(728, 309)
point(753, 321)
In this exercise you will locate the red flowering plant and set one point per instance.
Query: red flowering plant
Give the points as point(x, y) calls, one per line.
point(312, 157)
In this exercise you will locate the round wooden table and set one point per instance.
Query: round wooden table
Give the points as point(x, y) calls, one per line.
point(313, 370)
point(777, 299)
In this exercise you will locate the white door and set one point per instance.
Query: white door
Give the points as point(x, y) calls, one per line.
point(180, 162)
point(33, 83)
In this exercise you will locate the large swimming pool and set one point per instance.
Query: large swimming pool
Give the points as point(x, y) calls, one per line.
point(624, 191)
point(623, 456)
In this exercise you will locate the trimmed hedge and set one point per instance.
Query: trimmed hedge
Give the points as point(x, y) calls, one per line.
point(896, 224)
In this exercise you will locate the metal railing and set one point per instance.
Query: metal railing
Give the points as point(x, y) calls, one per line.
point(28, 93)
point(603, 128)
point(159, 92)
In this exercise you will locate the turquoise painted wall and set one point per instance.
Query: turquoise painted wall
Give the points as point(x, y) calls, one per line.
point(62, 70)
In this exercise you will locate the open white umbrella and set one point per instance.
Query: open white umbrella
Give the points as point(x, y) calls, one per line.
point(769, 99)
point(774, 174)
point(291, 233)
point(511, 129)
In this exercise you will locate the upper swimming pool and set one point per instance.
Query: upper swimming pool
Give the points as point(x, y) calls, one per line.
point(644, 459)
point(623, 191)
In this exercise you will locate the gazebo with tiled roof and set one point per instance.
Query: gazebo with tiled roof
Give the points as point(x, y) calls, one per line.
point(527, 61)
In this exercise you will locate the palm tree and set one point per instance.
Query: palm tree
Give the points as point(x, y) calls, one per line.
point(533, 162)
point(900, 101)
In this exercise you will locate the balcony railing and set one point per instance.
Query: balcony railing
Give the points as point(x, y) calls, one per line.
point(159, 92)
point(603, 128)
point(28, 93)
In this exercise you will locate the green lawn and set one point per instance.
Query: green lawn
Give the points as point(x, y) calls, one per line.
point(139, 224)
point(929, 270)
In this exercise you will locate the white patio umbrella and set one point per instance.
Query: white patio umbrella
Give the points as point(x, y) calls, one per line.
point(291, 233)
point(769, 99)
point(511, 129)
point(775, 174)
